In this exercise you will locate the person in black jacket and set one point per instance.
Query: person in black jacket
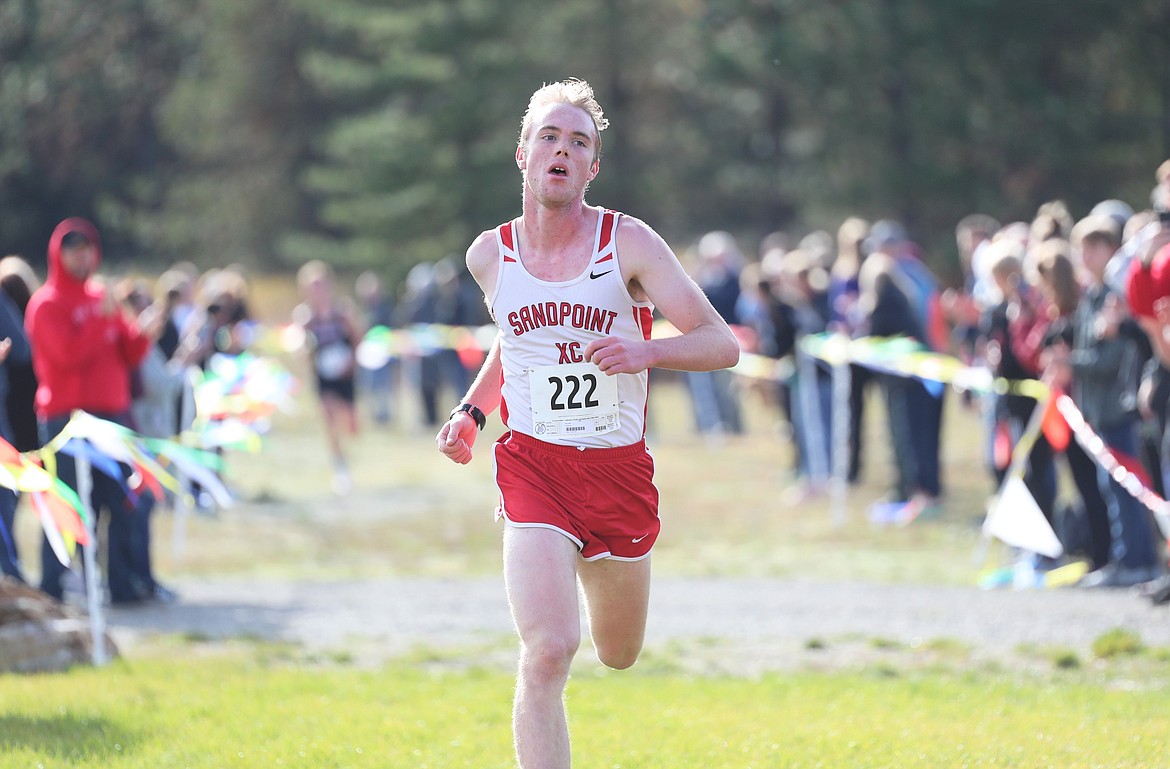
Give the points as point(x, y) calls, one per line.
point(14, 350)
point(18, 282)
point(888, 312)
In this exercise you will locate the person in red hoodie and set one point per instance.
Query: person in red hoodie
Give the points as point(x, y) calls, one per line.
point(83, 351)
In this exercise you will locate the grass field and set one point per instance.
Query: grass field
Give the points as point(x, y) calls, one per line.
point(185, 703)
point(252, 708)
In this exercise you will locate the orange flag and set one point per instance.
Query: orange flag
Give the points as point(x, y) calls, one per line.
point(1055, 429)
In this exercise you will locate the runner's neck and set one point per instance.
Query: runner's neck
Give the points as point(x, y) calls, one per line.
point(558, 239)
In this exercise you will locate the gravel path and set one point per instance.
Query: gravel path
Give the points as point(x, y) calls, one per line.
point(727, 625)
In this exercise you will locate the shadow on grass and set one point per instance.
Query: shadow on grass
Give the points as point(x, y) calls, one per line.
point(65, 736)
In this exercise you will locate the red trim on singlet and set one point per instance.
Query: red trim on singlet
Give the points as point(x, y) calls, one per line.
point(604, 259)
point(506, 236)
point(644, 317)
point(503, 403)
point(607, 220)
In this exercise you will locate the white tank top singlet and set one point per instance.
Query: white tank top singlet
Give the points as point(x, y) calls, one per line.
point(550, 391)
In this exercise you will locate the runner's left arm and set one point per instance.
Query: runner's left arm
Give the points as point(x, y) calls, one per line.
point(651, 269)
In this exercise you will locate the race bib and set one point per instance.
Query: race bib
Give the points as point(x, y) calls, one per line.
point(335, 361)
point(573, 399)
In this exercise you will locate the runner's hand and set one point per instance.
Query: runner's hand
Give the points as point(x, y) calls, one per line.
point(614, 355)
point(457, 437)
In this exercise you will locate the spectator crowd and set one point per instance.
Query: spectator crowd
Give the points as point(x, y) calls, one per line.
point(120, 350)
point(1082, 305)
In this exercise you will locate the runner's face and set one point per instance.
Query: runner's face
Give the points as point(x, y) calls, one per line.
point(318, 292)
point(557, 159)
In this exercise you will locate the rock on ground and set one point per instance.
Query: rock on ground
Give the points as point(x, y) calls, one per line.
point(38, 634)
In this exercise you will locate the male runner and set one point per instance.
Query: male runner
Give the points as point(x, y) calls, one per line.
point(572, 287)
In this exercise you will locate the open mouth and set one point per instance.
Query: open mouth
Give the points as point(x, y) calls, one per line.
point(559, 171)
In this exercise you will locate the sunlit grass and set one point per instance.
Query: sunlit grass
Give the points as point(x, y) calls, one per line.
point(250, 707)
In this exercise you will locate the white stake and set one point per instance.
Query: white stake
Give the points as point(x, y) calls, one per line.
point(93, 579)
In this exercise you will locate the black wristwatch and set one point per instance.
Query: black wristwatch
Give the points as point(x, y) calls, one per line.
point(472, 411)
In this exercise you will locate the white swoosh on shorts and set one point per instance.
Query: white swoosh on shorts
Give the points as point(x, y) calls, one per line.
point(636, 540)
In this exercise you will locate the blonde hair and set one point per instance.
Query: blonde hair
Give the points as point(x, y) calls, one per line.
point(850, 239)
point(312, 271)
point(577, 93)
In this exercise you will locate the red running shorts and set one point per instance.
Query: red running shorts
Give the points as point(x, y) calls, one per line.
point(604, 500)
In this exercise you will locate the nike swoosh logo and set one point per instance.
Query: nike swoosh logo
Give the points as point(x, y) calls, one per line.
point(636, 540)
point(596, 275)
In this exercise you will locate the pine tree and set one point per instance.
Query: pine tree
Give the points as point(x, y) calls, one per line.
point(243, 120)
point(419, 159)
point(79, 86)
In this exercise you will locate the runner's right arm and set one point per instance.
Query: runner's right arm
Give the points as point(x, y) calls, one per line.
point(457, 437)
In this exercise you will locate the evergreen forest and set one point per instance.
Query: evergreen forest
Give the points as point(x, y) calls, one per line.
point(380, 133)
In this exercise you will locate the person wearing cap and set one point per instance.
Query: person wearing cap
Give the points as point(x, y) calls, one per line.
point(889, 238)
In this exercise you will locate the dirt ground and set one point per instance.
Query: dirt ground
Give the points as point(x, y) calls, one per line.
point(737, 626)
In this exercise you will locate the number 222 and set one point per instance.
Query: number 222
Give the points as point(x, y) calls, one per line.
point(575, 384)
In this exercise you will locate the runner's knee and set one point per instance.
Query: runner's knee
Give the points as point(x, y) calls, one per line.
point(618, 656)
point(548, 656)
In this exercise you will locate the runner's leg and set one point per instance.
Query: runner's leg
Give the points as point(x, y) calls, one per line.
point(333, 410)
point(540, 577)
point(617, 596)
